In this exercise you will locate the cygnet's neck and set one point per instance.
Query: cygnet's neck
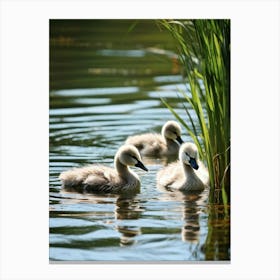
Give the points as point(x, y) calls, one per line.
point(171, 144)
point(188, 169)
point(169, 141)
point(123, 170)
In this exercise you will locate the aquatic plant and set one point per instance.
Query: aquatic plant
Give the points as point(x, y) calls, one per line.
point(204, 51)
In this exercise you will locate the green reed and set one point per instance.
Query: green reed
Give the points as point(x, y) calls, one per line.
point(204, 51)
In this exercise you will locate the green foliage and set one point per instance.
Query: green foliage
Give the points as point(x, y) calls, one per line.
point(204, 50)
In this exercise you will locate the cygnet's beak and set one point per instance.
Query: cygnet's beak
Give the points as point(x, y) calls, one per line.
point(141, 165)
point(179, 140)
point(193, 163)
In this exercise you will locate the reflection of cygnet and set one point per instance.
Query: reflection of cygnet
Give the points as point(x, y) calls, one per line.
point(128, 234)
point(191, 212)
point(187, 174)
point(102, 179)
point(127, 208)
point(153, 144)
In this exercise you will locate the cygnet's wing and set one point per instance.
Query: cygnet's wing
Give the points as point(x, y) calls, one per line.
point(148, 143)
point(170, 175)
point(102, 180)
point(73, 179)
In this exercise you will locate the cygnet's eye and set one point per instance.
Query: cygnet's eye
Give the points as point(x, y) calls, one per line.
point(178, 137)
point(140, 164)
point(134, 157)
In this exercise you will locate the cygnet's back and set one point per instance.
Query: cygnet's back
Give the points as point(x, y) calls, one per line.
point(153, 144)
point(102, 179)
point(187, 174)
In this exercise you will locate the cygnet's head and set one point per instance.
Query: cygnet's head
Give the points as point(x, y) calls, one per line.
point(129, 155)
point(172, 130)
point(188, 154)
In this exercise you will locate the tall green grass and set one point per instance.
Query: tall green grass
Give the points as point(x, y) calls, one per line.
point(204, 50)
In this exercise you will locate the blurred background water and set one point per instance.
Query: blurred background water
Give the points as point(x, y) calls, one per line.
point(106, 80)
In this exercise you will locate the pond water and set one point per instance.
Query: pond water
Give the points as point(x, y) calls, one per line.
point(106, 80)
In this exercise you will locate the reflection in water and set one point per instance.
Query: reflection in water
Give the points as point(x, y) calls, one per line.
point(128, 208)
point(192, 204)
point(218, 239)
point(191, 212)
point(127, 235)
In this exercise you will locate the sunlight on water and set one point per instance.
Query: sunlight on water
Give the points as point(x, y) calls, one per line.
point(93, 92)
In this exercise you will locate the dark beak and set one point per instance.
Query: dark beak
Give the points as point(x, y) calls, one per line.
point(179, 140)
point(193, 163)
point(141, 165)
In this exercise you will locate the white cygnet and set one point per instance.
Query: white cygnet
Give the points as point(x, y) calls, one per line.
point(154, 144)
point(186, 174)
point(102, 179)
